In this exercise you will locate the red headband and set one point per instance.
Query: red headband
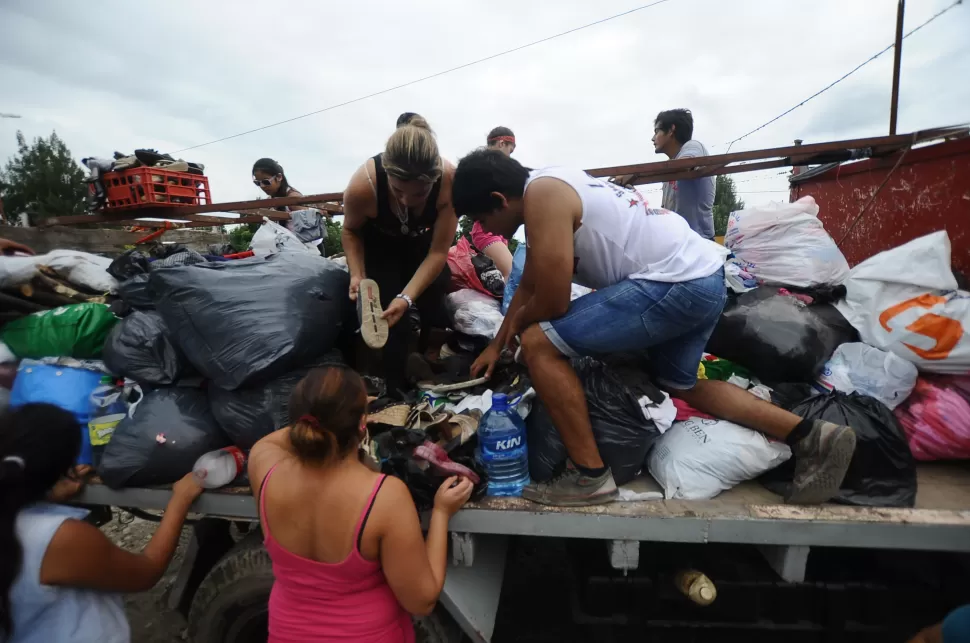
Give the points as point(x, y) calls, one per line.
point(506, 139)
point(312, 421)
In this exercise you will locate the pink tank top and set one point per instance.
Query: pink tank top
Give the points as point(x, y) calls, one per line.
point(347, 601)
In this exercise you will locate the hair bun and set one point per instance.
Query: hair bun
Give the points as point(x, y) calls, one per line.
point(418, 121)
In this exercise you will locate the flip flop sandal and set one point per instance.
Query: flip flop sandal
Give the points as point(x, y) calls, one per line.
point(373, 327)
point(447, 388)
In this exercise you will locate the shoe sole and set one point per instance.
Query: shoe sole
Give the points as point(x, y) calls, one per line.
point(585, 501)
point(824, 485)
point(373, 327)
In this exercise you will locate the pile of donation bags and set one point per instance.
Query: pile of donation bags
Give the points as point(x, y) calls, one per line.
point(187, 349)
point(215, 347)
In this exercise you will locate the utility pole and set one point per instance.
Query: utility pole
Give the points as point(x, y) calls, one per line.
point(897, 57)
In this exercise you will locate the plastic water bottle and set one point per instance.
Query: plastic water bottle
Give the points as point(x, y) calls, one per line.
point(502, 448)
point(220, 467)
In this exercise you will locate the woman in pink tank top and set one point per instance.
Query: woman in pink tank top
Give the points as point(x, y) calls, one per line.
point(349, 560)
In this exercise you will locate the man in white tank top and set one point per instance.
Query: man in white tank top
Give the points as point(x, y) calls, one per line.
point(659, 294)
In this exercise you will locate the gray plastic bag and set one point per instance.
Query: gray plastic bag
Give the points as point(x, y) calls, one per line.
point(248, 321)
point(138, 348)
point(161, 439)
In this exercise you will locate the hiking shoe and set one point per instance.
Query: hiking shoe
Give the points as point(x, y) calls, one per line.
point(572, 489)
point(821, 460)
point(373, 327)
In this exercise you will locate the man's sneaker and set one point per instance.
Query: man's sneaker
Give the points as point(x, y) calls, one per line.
point(821, 460)
point(373, 327)
point(573, 489)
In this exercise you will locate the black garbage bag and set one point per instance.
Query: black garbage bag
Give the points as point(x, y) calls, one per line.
point(129, 264)
point(248, 321)
point(134, 292)
point(395, 448)
point(882, 472)
point(777, 337)
point(623, 434)
point(169, 430)
point(249, 413)
point(139, 348)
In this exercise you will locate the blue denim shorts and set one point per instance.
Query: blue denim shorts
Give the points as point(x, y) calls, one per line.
point(669, 323)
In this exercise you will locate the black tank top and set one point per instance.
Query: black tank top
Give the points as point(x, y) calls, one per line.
point(388, 224)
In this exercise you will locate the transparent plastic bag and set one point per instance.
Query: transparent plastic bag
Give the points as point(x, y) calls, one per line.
point(474, 313)
point(786, 244)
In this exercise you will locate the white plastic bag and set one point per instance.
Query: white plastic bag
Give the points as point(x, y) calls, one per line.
point(785, 244)
point(80, 268)
point(860, 368)
point(698, 459)
point(906, 301)
point(474, 313)
point(272, 238)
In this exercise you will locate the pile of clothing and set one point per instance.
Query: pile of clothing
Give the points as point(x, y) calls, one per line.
point(98, 166)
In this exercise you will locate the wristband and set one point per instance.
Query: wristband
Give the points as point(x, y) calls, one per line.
point(405, 298)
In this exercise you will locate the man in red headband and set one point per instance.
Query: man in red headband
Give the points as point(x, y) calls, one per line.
point(501, 139)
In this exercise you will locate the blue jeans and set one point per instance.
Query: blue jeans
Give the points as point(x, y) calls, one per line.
point(670, 323)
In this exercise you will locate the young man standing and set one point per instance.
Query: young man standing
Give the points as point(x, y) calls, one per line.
point(692, 199)
point(659, 292)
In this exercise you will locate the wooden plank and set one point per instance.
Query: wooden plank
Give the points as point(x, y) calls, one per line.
point(181, 211)
point(794, 151)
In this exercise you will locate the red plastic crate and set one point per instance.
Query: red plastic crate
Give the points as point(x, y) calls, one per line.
point(142, 187)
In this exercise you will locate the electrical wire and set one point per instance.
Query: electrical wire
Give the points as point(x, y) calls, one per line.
point(435, 75)
point(836, 82)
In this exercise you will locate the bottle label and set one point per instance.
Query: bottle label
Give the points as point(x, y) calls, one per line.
point(238, 456)
point(508, 443)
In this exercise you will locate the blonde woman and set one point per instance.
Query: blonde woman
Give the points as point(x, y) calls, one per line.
point(398, 225)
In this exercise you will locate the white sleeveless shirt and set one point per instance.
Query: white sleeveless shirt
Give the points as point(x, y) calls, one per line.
point(621, 238)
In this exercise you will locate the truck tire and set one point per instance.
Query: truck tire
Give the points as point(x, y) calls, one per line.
point(437, 627)
point(231, 604)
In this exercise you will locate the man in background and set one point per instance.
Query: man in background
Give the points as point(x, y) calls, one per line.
point(692, 199)
point(501, 139)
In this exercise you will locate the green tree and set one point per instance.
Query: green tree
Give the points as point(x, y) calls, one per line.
point(42, 180)
point(725, 202)
point(332, 243)
point(242, 235)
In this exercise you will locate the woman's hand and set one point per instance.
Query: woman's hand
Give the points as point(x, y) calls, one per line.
point(395, 311)
point(452, 495)
point(70, 485)
point(355, 287)
point(486, 361)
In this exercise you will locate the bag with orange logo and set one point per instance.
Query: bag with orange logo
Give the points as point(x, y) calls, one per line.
point(906, 301)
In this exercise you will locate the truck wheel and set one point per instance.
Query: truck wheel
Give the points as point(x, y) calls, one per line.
point(231, 604)
point(438, 627)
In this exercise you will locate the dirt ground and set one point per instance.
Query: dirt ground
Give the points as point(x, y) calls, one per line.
point(148, 614)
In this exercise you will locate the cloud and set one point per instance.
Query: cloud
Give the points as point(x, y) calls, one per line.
point(133, 75)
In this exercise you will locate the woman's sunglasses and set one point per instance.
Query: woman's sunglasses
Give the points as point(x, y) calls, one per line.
point(265, 183)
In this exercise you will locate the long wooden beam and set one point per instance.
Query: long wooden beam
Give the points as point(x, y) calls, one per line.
point(183, 212)
point(795, 150)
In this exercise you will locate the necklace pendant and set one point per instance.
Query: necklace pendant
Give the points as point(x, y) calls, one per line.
point(404, 229)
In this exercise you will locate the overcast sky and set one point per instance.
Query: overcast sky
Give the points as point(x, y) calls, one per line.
point(119, 75)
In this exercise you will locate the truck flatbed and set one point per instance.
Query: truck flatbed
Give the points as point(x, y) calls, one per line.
point(747, 514)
